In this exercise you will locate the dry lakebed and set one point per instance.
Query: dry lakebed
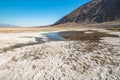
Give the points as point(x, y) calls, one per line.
point(60, 55)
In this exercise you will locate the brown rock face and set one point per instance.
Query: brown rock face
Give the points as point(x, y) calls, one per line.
point(96, 11)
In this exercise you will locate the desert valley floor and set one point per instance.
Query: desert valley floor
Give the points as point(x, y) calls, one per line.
point(47, 55)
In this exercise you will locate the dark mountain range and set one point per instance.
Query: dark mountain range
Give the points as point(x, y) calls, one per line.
point(96, 11)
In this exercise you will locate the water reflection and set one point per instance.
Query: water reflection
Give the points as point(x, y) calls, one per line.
point(87, 35)
point(54, 36)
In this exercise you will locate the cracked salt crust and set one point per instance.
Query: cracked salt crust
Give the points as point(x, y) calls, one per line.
point(60, 60)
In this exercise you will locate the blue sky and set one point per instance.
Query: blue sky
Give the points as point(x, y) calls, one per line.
point(36, 12)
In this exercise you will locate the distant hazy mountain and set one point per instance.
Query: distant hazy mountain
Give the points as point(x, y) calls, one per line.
point(6, 25)
point(96, 11)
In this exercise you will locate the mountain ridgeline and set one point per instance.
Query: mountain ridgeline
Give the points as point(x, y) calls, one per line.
point(2, 25)
point(96, 11)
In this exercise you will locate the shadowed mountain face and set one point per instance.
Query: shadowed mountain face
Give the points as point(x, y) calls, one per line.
point(96, 11)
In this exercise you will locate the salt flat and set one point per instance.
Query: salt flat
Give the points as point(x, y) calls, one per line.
point(31, 56)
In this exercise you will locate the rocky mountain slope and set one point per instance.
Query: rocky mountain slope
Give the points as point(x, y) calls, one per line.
point(96, 11)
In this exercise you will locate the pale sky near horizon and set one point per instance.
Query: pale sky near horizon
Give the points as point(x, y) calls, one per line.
point(36, 12)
